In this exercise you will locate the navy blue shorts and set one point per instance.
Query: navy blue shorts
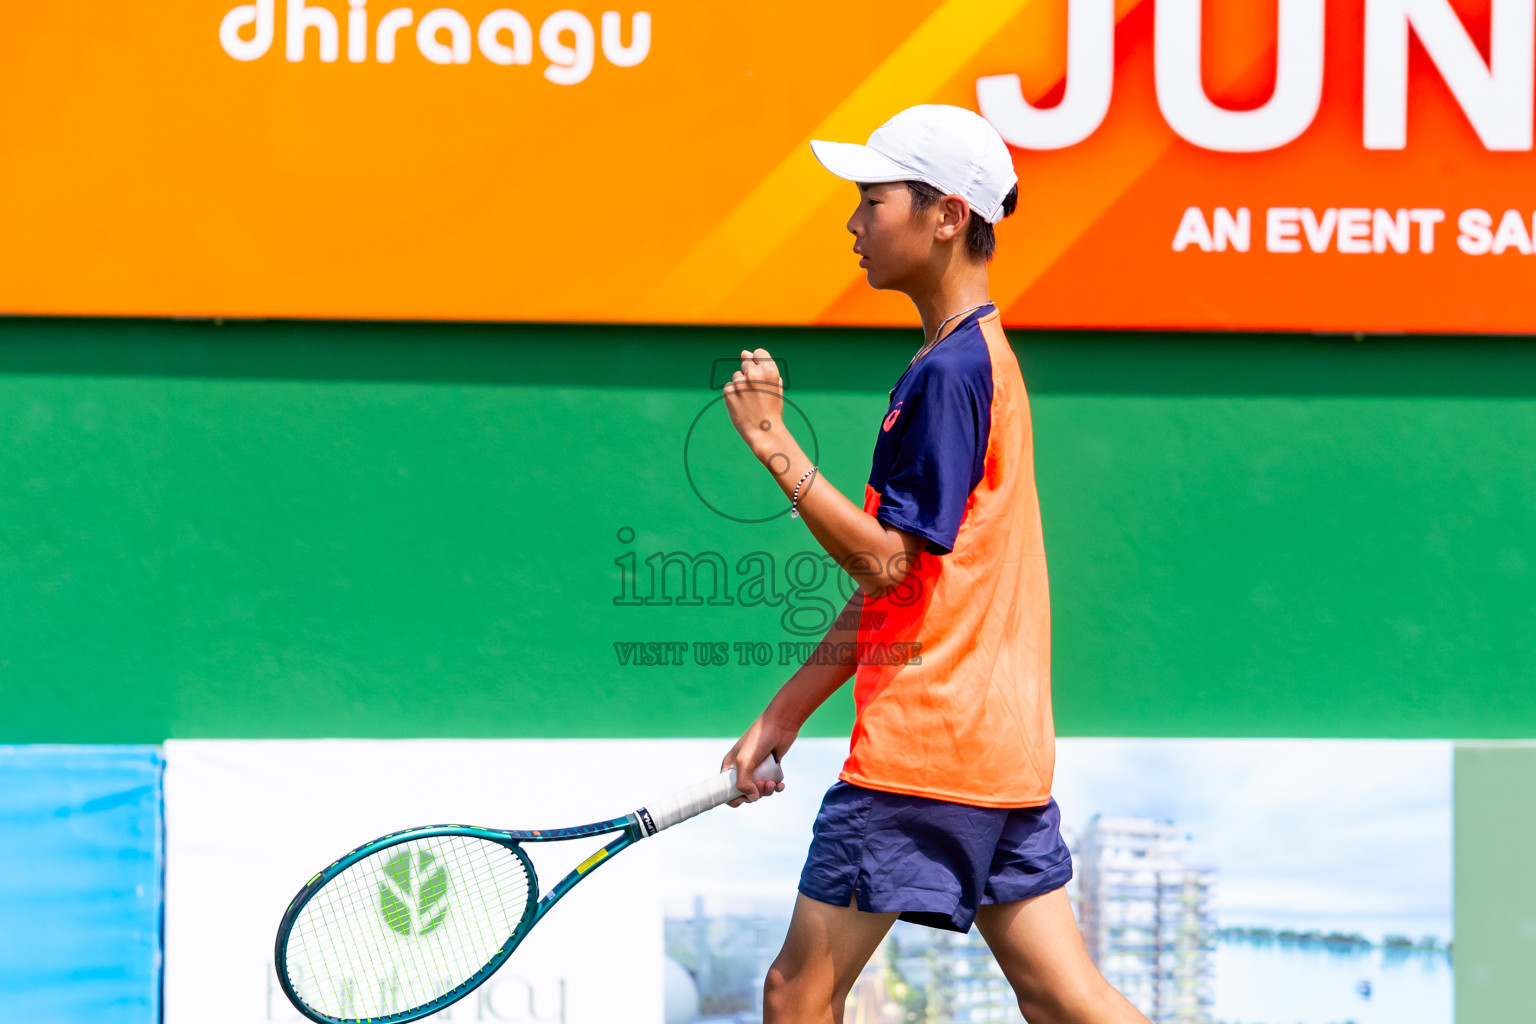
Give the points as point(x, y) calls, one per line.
point(934, 861)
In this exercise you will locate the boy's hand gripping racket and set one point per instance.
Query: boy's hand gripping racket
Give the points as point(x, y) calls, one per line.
point(414, 921)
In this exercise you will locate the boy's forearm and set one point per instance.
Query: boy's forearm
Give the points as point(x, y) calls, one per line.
point(820, 676)
point(876, 554)
point(865, 548)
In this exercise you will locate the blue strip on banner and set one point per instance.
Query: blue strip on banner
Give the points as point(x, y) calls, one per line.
point(81, 859)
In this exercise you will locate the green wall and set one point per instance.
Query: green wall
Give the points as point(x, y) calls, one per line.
point(282, 529)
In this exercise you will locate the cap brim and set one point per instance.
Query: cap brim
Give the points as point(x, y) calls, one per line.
point(855, 162)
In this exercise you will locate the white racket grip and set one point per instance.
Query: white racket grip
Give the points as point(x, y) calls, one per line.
point(701, 797)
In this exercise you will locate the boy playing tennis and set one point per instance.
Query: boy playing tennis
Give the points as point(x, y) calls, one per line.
point(942, 814)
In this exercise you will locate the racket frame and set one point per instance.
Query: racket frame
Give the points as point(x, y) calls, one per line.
point(633, 827)
point(630, 827)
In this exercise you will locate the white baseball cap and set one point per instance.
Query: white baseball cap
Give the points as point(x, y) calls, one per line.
point(953, 149)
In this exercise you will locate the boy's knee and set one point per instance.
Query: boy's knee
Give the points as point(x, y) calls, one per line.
point(1090, 998)
point(782, 997)
point(1036, 1010)
point(791, 997)
point(775, 989)
point(1036, 1004)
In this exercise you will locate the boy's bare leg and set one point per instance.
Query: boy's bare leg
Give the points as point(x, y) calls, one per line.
point(823, 953)
point(1038, 946)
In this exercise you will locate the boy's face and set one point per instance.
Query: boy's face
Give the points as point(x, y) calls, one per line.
point(898, 246)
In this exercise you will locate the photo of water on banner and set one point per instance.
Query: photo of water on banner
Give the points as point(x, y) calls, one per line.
point(1215, 882)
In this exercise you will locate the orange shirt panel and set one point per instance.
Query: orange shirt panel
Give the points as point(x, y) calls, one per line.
point(969, 720)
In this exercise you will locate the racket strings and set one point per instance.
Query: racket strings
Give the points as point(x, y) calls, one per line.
point(405, 925)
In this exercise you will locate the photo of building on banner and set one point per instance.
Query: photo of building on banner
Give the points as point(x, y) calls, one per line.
point(1253, 881)
point(1329, 165)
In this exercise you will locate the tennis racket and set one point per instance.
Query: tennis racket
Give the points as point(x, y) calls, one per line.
point(416, 920)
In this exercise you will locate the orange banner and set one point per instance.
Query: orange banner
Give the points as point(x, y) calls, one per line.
point(1286, 164)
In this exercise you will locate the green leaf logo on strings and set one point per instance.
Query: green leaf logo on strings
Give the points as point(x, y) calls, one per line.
point(411, 893)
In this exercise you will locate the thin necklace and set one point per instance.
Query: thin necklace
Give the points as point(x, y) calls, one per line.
point(940, 331)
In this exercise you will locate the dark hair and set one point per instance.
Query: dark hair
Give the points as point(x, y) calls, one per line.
point(980, 239)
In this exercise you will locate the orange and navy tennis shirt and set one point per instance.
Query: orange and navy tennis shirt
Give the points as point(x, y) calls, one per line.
point(968, 719)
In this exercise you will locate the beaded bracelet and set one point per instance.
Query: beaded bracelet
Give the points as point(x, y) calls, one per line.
point(794, 513)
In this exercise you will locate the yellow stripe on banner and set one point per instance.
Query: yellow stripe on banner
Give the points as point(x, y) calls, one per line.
point(588, 864)
point(935, 51)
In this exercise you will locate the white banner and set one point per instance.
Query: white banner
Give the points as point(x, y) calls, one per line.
point(1315, 875)
point(249, 821)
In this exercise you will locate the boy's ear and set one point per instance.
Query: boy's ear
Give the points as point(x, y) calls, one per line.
point(953, 211)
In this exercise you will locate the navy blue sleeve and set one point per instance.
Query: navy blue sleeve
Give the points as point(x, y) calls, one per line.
point(939, 458)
